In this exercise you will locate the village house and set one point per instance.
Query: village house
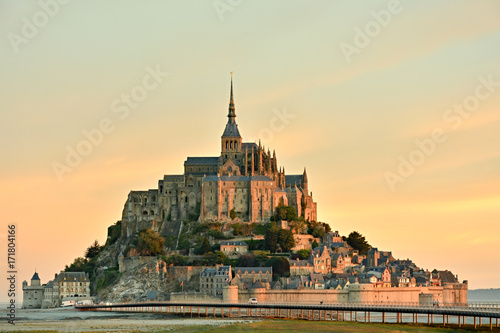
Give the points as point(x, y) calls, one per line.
point(234, 249)
point(213, 280)
point(322, 261)
point(300, 267)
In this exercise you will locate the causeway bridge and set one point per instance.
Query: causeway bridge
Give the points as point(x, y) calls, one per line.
point(478, 315)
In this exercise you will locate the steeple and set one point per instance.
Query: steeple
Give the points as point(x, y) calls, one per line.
point(232, 113)
point(304, 180)
point(231, 138)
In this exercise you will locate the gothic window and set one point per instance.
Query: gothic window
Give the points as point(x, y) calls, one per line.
point(231, 145)
point(227, 146)
point(236, 145)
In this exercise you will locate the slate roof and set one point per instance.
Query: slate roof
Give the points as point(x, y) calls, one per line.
point(299, 263)
point(447, 277)
point(249, 145)
point(173, 178)
point(201, 161)
point(240, 243)
point(293, 179)
point(338, 244)
point(316, 277)
point(71, 277)
point(255, 270)
point(231, 130)
point(208, 272)
point(257, 285)
point(35, 277)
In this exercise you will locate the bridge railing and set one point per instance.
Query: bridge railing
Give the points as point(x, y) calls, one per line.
point(474, 306)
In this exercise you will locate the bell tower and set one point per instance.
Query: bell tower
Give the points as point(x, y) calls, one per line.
point(231, 139)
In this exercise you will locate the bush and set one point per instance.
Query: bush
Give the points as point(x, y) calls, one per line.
point(217, 234)
point(111, 275)
point(149, 242)
point(114, 232)
point(280, 266)
point(204, 246)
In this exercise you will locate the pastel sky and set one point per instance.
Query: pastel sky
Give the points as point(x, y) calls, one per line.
point(352, 117)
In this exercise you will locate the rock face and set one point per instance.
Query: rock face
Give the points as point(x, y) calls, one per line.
point(153, 280)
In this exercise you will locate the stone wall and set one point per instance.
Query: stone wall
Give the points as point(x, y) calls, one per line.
point(130, 263)
point(357, 293)
point(193, 296)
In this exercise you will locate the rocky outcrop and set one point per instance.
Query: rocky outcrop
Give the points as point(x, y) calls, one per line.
point(152, 280)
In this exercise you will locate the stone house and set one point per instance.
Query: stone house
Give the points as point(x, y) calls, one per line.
point(322, 261)
point(300, 267)
point(234, 249)
point(213, 279)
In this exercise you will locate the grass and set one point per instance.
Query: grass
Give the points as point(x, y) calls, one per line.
point(289, 326)
point(299, 326)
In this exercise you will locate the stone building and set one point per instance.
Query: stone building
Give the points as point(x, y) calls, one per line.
point(71, 285)
point(243, 181)
point(322, 260)
point(300, 267)
point(234, 249)
point(33, 294)
point(213, 279)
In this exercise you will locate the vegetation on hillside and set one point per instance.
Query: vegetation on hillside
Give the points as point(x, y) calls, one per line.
point(357, 242)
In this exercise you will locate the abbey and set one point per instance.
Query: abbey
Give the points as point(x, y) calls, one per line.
point(243, 182)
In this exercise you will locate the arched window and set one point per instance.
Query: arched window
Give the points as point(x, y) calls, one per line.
point(227, 144)
point(236, 145)
point(231, 145)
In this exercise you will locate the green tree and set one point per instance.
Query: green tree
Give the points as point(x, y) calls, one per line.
point(303, 254)
point(232, 214)
point(77, 265)
point(149, 243)
point(271, 238)
point(358, 242)
point(246, 260)
point(93, 250)
point(175, 260)
point(315, 244)
point(280, 265)
point(204, 246)
point(286, 240)
point(318, 231)
point(287, 213)
point(220, 257)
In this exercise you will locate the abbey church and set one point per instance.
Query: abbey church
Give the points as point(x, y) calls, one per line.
point(243, 182)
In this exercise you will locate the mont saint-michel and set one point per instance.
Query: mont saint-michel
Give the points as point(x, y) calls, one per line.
point(236, 227)
point(244, 180)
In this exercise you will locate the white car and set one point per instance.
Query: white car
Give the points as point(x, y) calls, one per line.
point(252, 301)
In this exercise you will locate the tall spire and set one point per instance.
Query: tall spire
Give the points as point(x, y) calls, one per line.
point(232, 114)
point(231, 129)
